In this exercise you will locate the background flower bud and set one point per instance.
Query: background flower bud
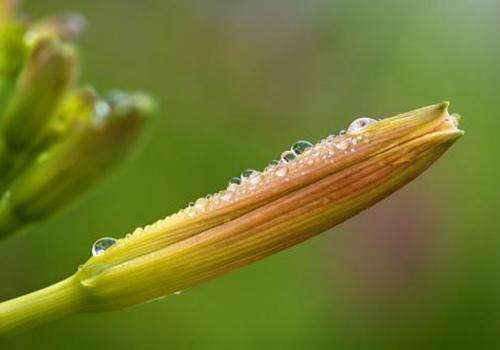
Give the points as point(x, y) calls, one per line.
point(13, 51)
point(49, 72)
point(95, 136)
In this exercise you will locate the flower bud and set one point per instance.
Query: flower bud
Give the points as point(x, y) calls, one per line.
point(13, 51)
point(94, 136)
point(289, 202)
point(49, 71)
point(262, 213)
point(66, 26)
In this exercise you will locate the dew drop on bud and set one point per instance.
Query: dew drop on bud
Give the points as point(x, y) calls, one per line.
point(300, 147)
point(255, 178)
point(330, 139)
point(227, 195)
point(271, 165)
point(246, 173)
point(234, 181)
point(281, 171)
point(342, 145)
point(287, 156)
point(201, 203)
point(360, 123)
point(102, 244)
point(101, 112)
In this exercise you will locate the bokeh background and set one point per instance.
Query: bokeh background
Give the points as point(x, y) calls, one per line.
point(239, 81)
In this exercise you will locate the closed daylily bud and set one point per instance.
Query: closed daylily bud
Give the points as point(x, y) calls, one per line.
point(311, 189)
point(75, 110)
point(66, 26)
point(95, 135)
point(13, 51)
point(50, 69)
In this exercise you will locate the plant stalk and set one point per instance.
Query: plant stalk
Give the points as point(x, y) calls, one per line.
point(58, 300)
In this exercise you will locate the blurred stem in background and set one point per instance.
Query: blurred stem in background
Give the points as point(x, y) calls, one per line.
point(55, 142)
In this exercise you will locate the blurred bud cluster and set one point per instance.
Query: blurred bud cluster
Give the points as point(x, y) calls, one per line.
point(56, 139)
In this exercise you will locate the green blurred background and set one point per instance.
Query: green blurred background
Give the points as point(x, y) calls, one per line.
point(238, 82)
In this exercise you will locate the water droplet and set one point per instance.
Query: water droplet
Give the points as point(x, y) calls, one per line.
point(201, 204)
point(102, 244)
point(227, 195)
point(179, 292)
point(330, 139)
point(342, 145)
point(255, 178)
point(360, 123)
point(101, 112)
point(234, 181)
point(246, 173)
point(271, 165)
point(281, 171)
point(190, 212)
point(287, 156)
point(300, 147)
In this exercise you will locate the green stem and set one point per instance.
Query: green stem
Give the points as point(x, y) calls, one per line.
point(56, 301)
point(10, 167)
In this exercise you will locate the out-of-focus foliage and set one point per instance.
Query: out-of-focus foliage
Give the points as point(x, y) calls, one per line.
point(55, 142)
point(240, 81)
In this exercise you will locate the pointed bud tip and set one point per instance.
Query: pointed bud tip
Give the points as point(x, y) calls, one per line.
point(444, 105)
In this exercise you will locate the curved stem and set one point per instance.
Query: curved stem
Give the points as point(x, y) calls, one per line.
point(58, 300)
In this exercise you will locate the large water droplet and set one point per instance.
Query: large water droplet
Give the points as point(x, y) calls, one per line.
point(360, 123)
point(102, 244)
point(299, 147)
point(287, 156)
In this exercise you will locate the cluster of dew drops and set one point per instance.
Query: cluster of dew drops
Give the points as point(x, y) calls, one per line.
point(300, 154)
